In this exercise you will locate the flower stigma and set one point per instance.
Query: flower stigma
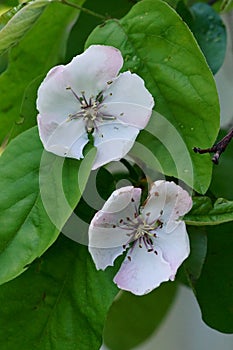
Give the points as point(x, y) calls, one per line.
point(90, 110)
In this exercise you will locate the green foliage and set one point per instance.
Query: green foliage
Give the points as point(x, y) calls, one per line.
point(198, 249)
point(222, 174)
point(178, 77)
point(59, 303)
point(124, 330)
point(225, 5)
point(86, 23)
point(214, 289)
point(205, 213)
point(42, 48)
point(210, 32)
point(34, 185)
point(19, 23)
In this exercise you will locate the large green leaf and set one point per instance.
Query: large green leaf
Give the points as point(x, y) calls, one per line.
point(205, 213)
point(214, 289)
point(20, 23)
point(38, 192)
point(132, 319)
point(59, 303)
point(41, 48)
point(157, 45)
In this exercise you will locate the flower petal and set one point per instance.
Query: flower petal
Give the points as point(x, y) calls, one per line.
point(167, 202)
point(106, 234)
point(93, 69)
point(88, 73)
point(54, 102)
point(128, 100)
point(122, 204)
point(113, 141)
point(105, 257)
point(144, 272)
point(66, 139)
point(174, 245)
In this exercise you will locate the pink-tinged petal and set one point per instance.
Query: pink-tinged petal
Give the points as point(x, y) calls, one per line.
point(122, 204)
point(54, 102)
point(128, 100)
point(88, 73)
point(107, 233)
point(167, 202)
point(105, 257)
point(91, 71)
point(174, 245)
point(106, 244)
point(113, 141)
point(66, 139)
point(145, 272)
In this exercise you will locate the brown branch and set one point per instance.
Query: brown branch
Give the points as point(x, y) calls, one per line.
point(217, 149)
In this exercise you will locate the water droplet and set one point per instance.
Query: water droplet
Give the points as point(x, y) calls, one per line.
point(191, 129)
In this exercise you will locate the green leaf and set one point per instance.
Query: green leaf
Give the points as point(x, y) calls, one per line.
point(132, 319)
point(214, 289)
point(39, 191)
point(59, 303)
point(210, 32)
point(86, 23)
point(20, 23)
point(198, 249)
point(205, 213)
point(176, 73)
point(43, 47)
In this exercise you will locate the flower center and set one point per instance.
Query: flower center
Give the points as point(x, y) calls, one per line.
point(141, 233)
point(90, 110)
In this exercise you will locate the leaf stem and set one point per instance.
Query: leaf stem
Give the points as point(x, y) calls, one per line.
point(217, 149)
point(83, 9)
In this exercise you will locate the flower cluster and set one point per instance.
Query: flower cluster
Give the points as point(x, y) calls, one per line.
point(87, 96)
point(153, 234)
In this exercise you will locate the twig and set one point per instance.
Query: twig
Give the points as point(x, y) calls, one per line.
point(217, 149)
point(83, 9)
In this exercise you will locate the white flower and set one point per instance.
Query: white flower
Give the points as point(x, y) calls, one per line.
point(155, 236)
point(86, 96)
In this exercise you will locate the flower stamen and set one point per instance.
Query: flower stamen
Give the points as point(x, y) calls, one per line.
point(90, 110)
point(140, 233)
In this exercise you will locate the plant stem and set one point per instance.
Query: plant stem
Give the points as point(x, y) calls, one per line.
point(83, 9)
point(217, 149)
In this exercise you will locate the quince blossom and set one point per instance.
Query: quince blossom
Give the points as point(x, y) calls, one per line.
point(154, 235)
point(86, 96)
